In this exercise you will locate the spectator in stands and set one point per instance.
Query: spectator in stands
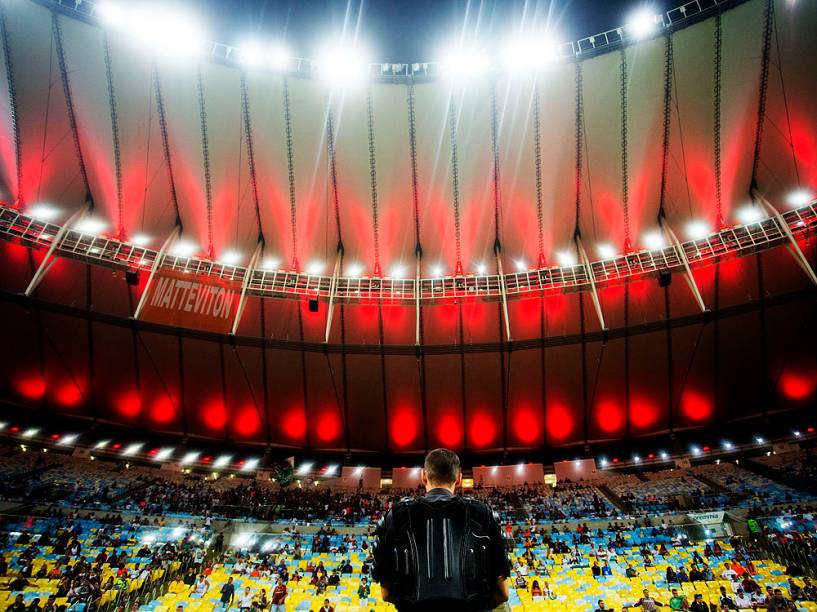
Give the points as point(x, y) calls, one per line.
point(726, 601)
point(245, 600)
point(602, 607)
point(695, 575)
point(631, 572)
point(809, 590)
point(228, 593)
point(279, 597)
point(707, 573)
point(677, 602)
point(364, 590)
point(535, 589)
point(670, 575)
point(262, 603)
point(18, 605)
point(326, 607)
point(778, 603)
point(698, 604)
point(647, 603)
point(50, 604)
point(682, 575)
point(743, 601)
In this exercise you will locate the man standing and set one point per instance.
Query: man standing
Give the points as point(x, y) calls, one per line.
point(227, 593)
point(441, 551)
point(279, 597)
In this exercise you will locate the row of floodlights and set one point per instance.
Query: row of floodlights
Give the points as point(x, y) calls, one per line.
point(656, 239)
point(695, 450)
point(175, 34)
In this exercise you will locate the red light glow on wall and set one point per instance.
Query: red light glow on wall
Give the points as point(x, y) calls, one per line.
point(128, 405)
point(609, 416)
point(482, 430)
point(214, 414)
point(403, 427)
point(31, 387)
point(643, 412)
point(449, 431)
point(559, 421)
point(527, 426)
point(247, 421)
point(328, 426)
point(798, 385)
point(294, 423)
point(696, 406)
point(68, 394)
point(162, 410)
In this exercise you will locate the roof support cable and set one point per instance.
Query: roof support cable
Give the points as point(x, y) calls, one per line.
point(779, 65)
point(579, 142)
point(245, 283)
point(716, 119)
point(415, 200)
point(455, 180)
point(205, 160)
point(537, 158)
point(373, 179)
point(672, 238)
point(247, 119)
point(157, 263)
point(667, 120)
point(333, 173)
point(117, 150)
point(625, 174)
point(497, 205)
point(293, 218)
point(768, 21)
point(69, 105)
point(160, 110)
point(13, 112)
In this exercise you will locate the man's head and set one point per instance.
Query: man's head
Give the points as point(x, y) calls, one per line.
point(601, 604)
point(699, 597)
point(441, 470)
point(674, 592)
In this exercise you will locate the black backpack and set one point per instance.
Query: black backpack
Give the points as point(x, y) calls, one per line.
point(441, 555)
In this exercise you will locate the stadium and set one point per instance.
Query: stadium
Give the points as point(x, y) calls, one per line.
point(245, 289)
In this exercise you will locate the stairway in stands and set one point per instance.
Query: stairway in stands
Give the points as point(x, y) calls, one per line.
point(612, 498)
point(781, 477)
point(713, 485)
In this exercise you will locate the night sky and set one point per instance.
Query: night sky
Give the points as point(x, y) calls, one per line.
point(406, 30)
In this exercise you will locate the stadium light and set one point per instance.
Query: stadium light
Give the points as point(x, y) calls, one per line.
point(230, 258)
point(170, 33)
point(603, 461)
point(728, 445)
point(315, 267)
point(636, 459)
point(331, 469)
point(3, 425)
point(520, 468)
point(664, 455)
point(415, 472)
point(437, 271)
point(43, 212)
point(397, 270)
point(111, 14)
point(67, 439)
point(654, 240)
point(30, 432)
point(760, 440)
point(250, 464)
point(566, 258)
point(521, 265)
point(222, 461)
point(606, 250)
point(190, 457)
point(358, 471)
point(251, 53)
point(695, 450)
point(132, 449)
point(481, 268)
point(101, 444)
point(462, 62)
point(163, 454)
point(279, 58)
point(799, 197)
point(354, 270)
point(304, 468)
point(797, 433)
point(90, 225)
point(270, 263)
point(140, 239)
point(642, 23)
point(750, 214)
point(532, 53)
point(183, 248)
point(698, 229)
point(342, 64)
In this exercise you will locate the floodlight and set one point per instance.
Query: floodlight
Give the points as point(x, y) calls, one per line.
point(132, 449)
point(566, 258)
point(230, 258)
point(642, 23)
point(316, 267)
point(521, 265)
point(397, 270)
point(183, 248)
point(30, 432)
point(250, 464)
point(606, 250)
point(533, 53)
point(461, 62)
point(750, 213)
point(304, 468)
point(190, 457)
point(437, 270)
point(270, 263)
point(342, 64)
point(111, 14)
point(481, 268)
point(698, 229)
point(140, 239)
point(163, 454)
point(43, 212)
point(90, 225)
point(354, 270)
point(222, 461)
point(654, 240)
point(67, 439)
point(799, 197)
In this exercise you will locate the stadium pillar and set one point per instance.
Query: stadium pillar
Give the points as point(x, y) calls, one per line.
point(157, 262)
point(332, 286)
point(417, 299)
point(248, 273)
point(503, 293)
point(50, 258)
point(794, 248)
point(682, 256)
point(589, 271)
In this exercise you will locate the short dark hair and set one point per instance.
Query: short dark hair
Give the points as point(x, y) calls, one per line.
point(442, 466)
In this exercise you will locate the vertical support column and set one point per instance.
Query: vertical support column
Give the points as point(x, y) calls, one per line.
point(49, 258)
point(248, 274)
point(503, 292)
point(794, 248)
point(157, 262)
point(589, 271)
point(417, 312)
point(332, 285)
point(682, 256)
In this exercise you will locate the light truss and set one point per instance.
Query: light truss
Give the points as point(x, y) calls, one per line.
point(729, 243)
point(689, 12)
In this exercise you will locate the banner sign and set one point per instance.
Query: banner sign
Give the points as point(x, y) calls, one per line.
point(192, 300)
point(707, 518)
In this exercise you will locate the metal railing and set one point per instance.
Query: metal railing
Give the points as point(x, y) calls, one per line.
point(729, 242)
